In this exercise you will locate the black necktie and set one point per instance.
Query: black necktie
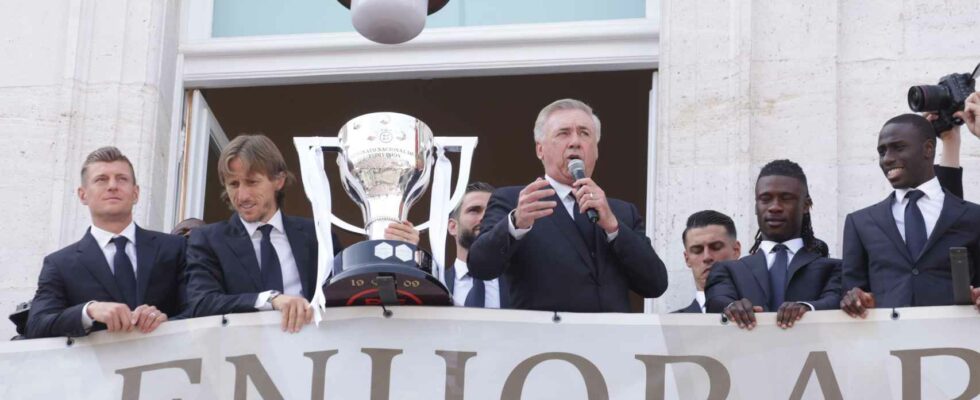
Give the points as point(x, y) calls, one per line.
point(271, 269)
point(478, 294)
point(123, 271)
point(777, 277)
point(915, 224)
point(585, 227)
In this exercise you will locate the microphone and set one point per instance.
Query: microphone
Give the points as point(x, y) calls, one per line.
point(577, 168)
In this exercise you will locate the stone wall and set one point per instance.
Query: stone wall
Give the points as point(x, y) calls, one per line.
point(746, 82)
point(77, 75)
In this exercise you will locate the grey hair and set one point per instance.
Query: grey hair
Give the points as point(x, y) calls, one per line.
point(564, 104)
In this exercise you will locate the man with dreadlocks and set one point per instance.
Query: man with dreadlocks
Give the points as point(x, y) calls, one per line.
point(896, 252)
point(787, 270)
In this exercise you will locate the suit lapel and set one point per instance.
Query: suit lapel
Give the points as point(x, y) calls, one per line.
point(241, 245)
point(801, 259)
point(567, 229)
point(760, 270)
point(301, 254)
point(146, 252)
point(952, 210)
point(881, 214)
point(93, 259)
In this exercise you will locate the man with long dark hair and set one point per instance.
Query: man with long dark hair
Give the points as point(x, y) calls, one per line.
point(787, 270)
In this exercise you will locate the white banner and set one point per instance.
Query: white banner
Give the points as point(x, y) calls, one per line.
point(454, 353)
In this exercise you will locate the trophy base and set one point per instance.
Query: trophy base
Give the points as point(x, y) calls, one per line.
point(382, 272)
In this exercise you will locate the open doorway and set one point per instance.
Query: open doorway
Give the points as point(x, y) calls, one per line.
point(499, 110)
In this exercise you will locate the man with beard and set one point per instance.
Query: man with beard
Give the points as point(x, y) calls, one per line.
point(560, 243)
point(709, 237)
point(896, 252)
point(464, 225)
point(787, 271)
point(260, 259)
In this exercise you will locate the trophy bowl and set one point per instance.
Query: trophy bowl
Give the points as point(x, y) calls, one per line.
point(385, 162)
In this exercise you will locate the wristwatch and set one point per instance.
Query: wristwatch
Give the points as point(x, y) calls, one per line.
point(272, 296)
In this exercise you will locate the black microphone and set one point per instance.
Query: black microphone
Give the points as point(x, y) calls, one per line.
point(577, 168)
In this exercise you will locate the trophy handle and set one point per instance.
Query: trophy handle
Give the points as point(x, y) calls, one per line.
point(464, 146)
point(317, 188)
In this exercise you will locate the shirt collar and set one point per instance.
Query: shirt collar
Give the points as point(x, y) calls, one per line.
point(103, 237)
point(275, 221)
point(701, 299)
point(561, 190)
point(461, 269)
point(792, 245)
point(931, 188)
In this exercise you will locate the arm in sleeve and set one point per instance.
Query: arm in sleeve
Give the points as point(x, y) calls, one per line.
point(184, 309)
point(645, 270)
point(51, 315)
point(720, 290)
point(830, 296)
point(205, 276)
point(854, 269)
point(490, 254)
point(951, 179)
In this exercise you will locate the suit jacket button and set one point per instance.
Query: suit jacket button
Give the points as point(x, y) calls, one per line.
point(915, 271)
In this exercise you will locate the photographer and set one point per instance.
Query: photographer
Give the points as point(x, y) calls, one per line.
point(949, 171)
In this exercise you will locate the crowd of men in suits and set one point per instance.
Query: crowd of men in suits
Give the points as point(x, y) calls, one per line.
point(558, 243)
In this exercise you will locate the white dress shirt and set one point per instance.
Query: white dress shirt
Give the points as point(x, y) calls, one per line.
point(793, 246)
point(464, 283)
point(930, 205)
point(104, 239)
point(702, 301)
point(290, 272)
point(564, 192)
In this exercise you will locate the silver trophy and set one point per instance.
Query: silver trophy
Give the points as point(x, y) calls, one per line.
point(387, 161)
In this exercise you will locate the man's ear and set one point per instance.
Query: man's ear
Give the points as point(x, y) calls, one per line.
point(929, 149)
point(136, 194)
point(738, 248)
point(538, 150)
point(82, 196)
point(453, 226)
point(279, 181)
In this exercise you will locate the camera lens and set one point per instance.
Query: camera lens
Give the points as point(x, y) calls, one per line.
point(929, 98)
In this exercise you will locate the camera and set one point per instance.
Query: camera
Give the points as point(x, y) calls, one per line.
point(944, 99)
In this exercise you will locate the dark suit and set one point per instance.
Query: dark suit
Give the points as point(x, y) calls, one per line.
point(810, 278)
point(877, 260)
point(223, 270)
point(693, 308)
point(79, 273)
point(502, 287)
point(551, 268)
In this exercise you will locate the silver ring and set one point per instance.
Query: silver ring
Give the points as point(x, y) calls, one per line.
point(591, 196)
point(153, 315)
